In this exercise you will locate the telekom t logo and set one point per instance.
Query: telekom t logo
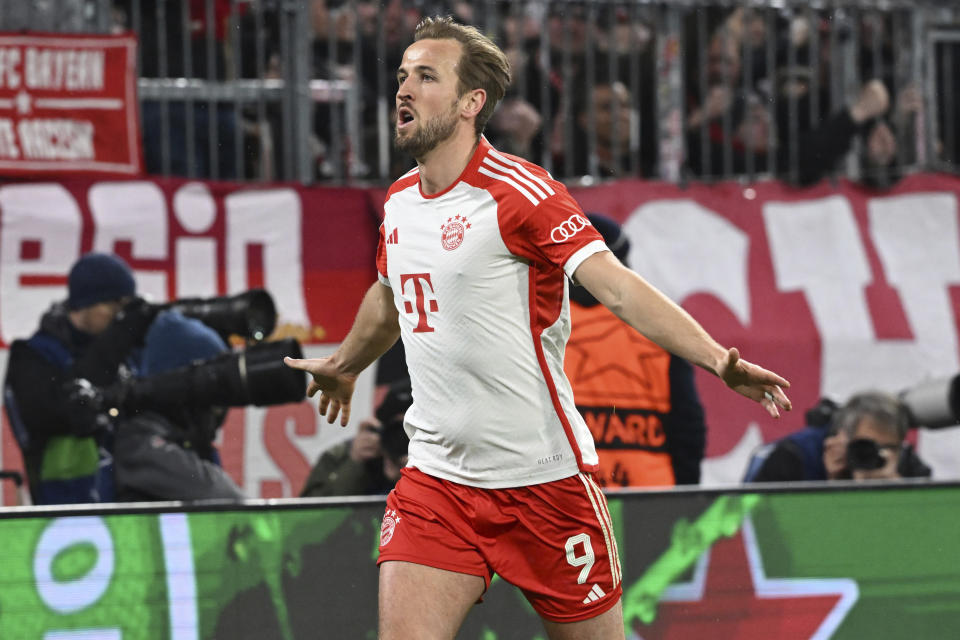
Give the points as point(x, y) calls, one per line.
point(420, 293)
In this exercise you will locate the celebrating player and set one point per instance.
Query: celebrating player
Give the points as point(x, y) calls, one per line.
point(475, 251)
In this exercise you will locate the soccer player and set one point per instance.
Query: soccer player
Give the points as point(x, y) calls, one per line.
point(475, 249)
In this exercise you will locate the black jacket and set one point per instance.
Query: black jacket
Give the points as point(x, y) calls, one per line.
point(41, 397)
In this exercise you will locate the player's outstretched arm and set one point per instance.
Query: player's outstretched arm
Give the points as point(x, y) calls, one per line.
point(374, 330)
point(654, 315)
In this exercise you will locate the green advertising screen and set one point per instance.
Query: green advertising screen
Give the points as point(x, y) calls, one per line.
point(861, 563)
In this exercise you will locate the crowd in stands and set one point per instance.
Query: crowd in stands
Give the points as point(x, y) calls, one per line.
point(766, 91)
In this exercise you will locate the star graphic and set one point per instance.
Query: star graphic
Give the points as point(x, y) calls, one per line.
point(608, 363)
point(24, 102)
point(468, 225)
point(730, 596)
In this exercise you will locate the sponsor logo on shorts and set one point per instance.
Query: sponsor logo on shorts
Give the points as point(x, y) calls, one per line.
point(390, 521)
point(569, 228)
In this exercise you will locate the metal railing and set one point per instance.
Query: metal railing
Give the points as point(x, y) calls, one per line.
point(691, 90)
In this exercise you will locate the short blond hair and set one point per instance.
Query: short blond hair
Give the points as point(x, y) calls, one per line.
point(483, 65)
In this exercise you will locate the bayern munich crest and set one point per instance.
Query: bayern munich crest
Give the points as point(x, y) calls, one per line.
point(451, 233)
point(390, 520)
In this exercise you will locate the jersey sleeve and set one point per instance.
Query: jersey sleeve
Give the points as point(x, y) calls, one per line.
point(558, 230)
point(382, 259)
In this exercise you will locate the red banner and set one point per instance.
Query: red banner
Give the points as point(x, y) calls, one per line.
point(68, 104)
point(839, 289)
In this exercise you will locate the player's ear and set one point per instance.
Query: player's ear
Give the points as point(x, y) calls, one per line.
point(473, 102)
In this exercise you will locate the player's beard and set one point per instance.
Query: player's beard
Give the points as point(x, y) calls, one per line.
point(428, 134)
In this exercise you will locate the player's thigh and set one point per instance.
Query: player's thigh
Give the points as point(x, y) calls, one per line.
point(417, 601)
point(606, 626)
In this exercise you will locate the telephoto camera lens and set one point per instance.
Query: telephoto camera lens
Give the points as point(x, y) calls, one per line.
point(255, 376)
point(251, 314)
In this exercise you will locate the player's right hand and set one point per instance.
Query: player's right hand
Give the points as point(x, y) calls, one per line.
point(336, 389)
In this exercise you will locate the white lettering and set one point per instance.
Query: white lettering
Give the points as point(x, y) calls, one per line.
point(816, 248)
point(9, 67)
point(196, 258)
point(78, 593)
point(70, 69)
point(8, 140)
point(682, 248)
point(56, 139)
point(40, 241)
point(134, 212)
point(271, 219)
point(181, 575)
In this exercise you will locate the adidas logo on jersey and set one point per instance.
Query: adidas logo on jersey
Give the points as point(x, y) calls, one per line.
point(595, 594)
point(392, 237)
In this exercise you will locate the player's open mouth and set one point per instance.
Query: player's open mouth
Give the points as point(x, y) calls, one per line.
point(404, 117)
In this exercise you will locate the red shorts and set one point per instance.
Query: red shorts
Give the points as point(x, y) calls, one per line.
point(554, 541)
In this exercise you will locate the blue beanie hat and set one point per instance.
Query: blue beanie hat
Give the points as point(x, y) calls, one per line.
point(98, 277)
point(174, 341)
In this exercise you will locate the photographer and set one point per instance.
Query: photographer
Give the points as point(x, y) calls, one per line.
point(166, 452)
point(370, 462)
point(862, 440)
point(89, 340)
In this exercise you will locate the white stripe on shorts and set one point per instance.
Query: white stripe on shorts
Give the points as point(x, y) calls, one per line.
point(606, 511)
point(604, 526)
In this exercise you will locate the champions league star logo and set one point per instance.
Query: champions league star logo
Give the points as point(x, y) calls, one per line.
point(452, 232)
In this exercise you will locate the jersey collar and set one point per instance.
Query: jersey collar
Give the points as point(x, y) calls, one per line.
point(468, 172)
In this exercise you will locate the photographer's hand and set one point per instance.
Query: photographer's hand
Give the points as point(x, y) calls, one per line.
point(88, 407)
point(336, 388)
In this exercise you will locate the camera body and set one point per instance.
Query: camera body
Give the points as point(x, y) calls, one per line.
point(864, 454)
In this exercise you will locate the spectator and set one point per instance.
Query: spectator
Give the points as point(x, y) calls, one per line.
point(816, 150)
point(514, 126)
point(640, 401)
point(863, 440)
point(613, 120)
point(168, 453)
point(87, 342)
point(170, 51)
point(725, 125)
point(370, 462)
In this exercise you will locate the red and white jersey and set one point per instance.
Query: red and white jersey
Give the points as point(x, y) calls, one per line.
point(479, 278)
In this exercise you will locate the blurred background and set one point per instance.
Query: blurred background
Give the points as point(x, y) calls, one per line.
point(785, 170)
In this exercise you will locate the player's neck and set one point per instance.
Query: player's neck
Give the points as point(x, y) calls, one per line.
point(444, 164)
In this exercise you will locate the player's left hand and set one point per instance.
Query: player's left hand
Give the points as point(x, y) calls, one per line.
point(756, 383)
point(335, 387)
